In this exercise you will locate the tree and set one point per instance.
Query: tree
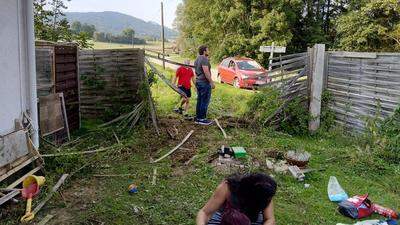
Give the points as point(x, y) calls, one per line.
point(89, 29)
point(42, 19)
point(375, 27)
point(128, 33)
point(51, 25)
point(76, 27)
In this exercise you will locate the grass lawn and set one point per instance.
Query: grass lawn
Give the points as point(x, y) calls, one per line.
point(155, 45)
point(181, 190)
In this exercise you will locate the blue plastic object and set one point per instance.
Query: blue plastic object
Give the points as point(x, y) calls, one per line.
point(335, 191)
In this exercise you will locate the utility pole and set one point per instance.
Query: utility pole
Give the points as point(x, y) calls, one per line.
point(162, 33)
point(132, 41)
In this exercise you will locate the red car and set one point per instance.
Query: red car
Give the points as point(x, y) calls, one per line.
point(242, 73)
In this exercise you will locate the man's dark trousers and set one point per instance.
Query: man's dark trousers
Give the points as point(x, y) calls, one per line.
point(203, 99)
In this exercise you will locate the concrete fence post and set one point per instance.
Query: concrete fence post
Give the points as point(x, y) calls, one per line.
point(317, 81)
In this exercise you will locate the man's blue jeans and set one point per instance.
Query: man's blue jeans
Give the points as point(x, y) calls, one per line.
point(203, 99)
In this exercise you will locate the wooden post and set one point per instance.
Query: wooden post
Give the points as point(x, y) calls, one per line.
point(271, 56)
point(317, 80)
point(162, 33)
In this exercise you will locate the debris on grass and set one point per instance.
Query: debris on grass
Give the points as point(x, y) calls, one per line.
point(46, 219)
point(222, 129)
point(227, 165)
point(133, 189)
point(50, 195)
point(113, 175)
point(154, 180)
point(297, 173)
point(77, 153)
point(373, 222)
point(190, 160)
point(298, 158)
point(176, 148)
point(335, 192)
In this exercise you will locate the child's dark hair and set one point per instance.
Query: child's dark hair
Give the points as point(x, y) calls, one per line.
point(251, 193)
point(202, 49)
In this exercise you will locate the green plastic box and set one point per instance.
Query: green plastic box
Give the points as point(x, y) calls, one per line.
point(239, 152)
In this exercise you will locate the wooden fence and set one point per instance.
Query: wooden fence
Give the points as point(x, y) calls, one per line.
point(110, 80)
point(57, 72)
point(363, 85)
point(290, 74)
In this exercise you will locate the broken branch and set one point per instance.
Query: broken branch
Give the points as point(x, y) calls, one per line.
point(222, 129)
point(76, 153)
point(176, 148)
point(154, 180)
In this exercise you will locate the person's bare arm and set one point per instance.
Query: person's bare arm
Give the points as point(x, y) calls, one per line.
point(213, 204)
point(174, 80)
point(207, 72)
point(194, 81)
point(269, 218)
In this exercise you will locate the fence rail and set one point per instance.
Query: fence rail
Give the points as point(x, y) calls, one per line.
point(290, 74)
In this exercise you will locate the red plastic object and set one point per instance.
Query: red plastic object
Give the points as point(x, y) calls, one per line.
point(363, 205)
point(386, 212)
point(30, 191)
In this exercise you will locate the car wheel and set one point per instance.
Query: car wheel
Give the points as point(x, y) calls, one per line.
point(236, 83)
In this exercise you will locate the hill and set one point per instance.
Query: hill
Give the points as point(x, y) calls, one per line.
point(115, 22)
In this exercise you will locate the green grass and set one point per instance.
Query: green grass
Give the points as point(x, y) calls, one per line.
point(182, 190)
point(155, 45)
point(225, 100)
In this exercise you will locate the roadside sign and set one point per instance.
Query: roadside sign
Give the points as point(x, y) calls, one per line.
point(275, 49)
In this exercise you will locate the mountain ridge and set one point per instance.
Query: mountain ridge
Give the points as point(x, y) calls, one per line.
point(116, 22)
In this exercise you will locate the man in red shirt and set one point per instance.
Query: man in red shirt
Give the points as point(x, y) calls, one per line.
point(184, 76)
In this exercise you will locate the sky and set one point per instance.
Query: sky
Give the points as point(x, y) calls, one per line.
point(148, 10)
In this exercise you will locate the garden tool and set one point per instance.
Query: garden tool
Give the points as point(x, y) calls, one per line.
point(30, 188)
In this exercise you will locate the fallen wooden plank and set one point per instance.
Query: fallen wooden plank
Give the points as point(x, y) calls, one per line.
point(20, 166)
point(8, 197)
point(166, 81)
point(113, 175)
point(151, 105)
point(176, 148)
point(116, 137)
point(12, 199)
point(45, 219)
point(222, 129)
point(76, 153)
point(50, 195)
point(15, 183)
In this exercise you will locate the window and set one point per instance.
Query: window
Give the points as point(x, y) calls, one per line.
point(249, 65)
point(225, 63)
point(232, 64)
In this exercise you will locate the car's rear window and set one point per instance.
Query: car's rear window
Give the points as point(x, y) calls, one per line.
point(248, 65)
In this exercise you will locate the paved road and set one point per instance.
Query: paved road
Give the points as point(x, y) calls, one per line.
point(214, 71)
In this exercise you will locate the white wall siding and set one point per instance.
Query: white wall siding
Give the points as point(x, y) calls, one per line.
point(16, 38)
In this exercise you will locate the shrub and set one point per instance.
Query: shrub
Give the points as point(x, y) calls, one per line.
point(262, 105)
point(293, 118)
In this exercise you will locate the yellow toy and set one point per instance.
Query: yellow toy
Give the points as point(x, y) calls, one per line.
point(30, 188)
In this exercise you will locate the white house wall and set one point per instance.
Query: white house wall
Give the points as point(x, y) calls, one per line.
point(16, 64)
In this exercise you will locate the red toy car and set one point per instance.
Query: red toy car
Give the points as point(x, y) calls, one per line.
point(242, 72)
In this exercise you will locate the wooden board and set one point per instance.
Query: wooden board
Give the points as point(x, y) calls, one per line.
point(51, 114)
point(12, 147)
point(119, 73)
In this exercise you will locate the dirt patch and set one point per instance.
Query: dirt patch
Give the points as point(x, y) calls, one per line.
point(181, 128)
point(76, 199)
